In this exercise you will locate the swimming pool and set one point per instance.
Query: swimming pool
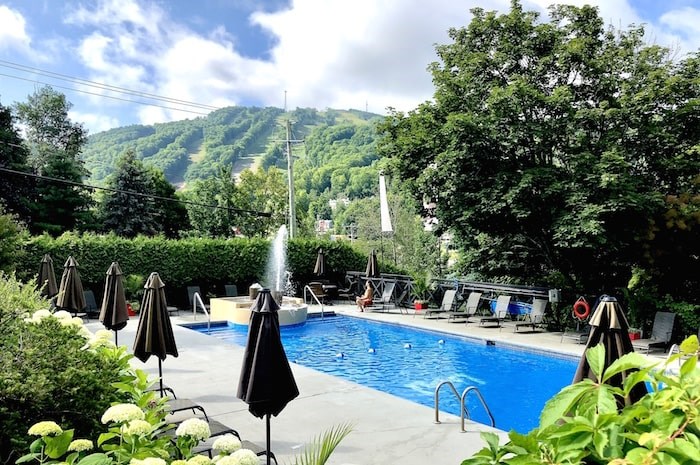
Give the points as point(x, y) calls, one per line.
point(410, 362)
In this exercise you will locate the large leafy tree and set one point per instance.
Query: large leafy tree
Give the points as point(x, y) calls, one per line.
point(264, 191)
point(15, 189)
point(549, 146)
point(54, 143)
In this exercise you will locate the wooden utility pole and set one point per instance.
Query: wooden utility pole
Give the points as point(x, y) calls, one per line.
point(290, 179)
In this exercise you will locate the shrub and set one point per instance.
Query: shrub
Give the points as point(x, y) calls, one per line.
point(47, 372)
point(582, 424)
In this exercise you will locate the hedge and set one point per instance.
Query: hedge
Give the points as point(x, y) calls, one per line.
point(208, 263)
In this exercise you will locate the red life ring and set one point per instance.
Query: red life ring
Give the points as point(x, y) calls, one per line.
point(581, 309)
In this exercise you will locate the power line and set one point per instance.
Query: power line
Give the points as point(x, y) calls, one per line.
point(139, 194)
point(105, 95)
point(100, 85)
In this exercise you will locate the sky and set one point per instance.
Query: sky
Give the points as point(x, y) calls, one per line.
point(122, 62)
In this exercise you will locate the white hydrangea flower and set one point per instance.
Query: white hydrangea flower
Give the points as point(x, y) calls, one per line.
point(245, 457)
point(226, 460)
point(137, 428)
point(195, 428)
point(178, 462)
point(77, 321)
point(121, 413)
point(40, 315)
point(199, 460)
point(80, 445)
point(135, 462)
point(45, 428)
point(227, 443)
point(62, 315)
point(154, 461)
point(103, 334)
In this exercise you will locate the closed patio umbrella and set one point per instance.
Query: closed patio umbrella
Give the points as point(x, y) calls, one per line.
point(154, 335)
point(266, 383)
point(47, 277)
point(113, 313)
point(372, 270)
point(609, 326)
point(70, 292)
point(320, 268)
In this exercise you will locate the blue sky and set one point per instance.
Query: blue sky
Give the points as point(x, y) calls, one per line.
point(362, 54)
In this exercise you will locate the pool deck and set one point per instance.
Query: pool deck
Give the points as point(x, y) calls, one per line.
point(387, 429)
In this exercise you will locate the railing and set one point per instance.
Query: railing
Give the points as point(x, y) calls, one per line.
point(464, 412)
point(197, 302)
point(310, 291)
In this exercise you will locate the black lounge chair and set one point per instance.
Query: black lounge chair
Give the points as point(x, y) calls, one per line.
point(449, 299)
point(661, 333)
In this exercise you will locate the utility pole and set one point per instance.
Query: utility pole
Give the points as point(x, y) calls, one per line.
point(290, 179)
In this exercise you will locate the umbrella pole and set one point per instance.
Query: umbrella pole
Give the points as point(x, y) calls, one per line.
point(267, 420)
point(160, 375)
point(115, 338)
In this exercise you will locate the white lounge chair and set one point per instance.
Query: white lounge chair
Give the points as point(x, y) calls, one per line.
point(534, 319)
point(448, 302)
point(499, 312)
point(470, 310)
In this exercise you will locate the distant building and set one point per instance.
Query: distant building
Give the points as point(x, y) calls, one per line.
point(334, 203)
point(324, 226)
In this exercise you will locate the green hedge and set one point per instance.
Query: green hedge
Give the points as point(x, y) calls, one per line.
point(208, 263)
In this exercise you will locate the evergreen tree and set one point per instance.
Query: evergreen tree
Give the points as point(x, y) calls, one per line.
point(171, 215)
point(15, 190)
point(127, 214)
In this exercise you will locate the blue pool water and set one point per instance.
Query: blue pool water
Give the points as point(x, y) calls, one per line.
point(410, 363)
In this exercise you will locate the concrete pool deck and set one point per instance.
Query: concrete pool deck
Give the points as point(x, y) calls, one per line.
point(387, 429)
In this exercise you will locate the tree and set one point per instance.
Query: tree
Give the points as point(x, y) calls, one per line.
point(127, 214)
point(218, 191)
point(265, 191)
point(548, 147)
point(54, 144)
point(15, 190)
point(171, 215)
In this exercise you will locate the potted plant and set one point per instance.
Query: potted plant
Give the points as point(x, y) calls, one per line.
point(133, 288)
point(420, 291)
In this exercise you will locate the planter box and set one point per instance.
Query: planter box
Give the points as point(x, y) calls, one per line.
point(635, 334)
point(420, 305)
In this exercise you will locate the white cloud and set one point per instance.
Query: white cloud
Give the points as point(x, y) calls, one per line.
point(94, 122)
point(13, 34)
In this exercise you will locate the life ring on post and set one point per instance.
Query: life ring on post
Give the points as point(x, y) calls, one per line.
point(581, 309)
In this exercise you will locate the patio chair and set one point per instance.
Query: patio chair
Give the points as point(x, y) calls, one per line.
point(349, 292)
point(469, 311)
point(231, 290)
point(449, 299)
point(535, 319)
point(191, 291)
point(498, 314)
point(386, 299)
point(676, 349)
point(661, 333)
point(91, 308)
point(317, 290)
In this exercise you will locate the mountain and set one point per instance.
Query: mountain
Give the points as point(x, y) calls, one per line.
point(243, 137)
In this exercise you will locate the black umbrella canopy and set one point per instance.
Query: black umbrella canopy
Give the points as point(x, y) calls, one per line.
point(113, 313)
point(266, 383)
point(154, 335)
point(70, 292)
point(320, 268)
point(372, 270)
point(47, 277)
point(609, 327)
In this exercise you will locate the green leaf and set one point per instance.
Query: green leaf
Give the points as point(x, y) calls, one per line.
point(491, 439)
point(596, 360)
point(95, 459)
point(683, 448)
point(27, 458)
point(104, 437)
point(628, 362)
point(563, 402)
point(57, 446)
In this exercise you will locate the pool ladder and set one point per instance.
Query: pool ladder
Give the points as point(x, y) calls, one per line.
point(464, 411)
point(197, 302)
point(315, 297)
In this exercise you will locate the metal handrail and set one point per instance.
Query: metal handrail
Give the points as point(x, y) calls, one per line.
point(464, 411)
point(197, 300)
point(314, 296)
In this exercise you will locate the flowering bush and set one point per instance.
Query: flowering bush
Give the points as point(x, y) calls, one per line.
point(49, 369)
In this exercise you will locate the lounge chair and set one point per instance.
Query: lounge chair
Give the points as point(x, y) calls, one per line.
point(191, 291)
point(91, 308)
point(386, 299)
point(498, 314)
point(676, 349)
point(449, 299)
point(231, 290)
point(470, 308)
point(534, 319)
point(661, 333)
point(349, 292)
point(317, 290)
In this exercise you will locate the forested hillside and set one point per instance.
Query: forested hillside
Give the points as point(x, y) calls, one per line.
point(240, 137)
